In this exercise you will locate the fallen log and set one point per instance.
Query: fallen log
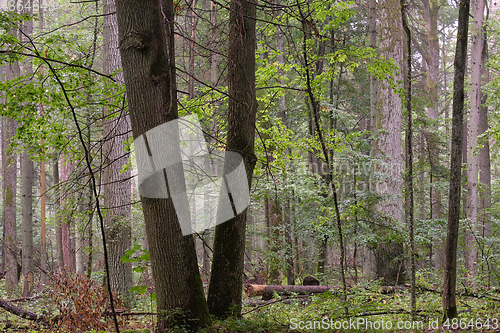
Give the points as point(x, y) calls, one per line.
point(263, 290)
point(393, 289)
point(21, 312)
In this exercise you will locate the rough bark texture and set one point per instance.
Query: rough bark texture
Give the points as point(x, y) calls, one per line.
point(409, 204)
point(388, 144)
point(9, 160)
point(224, 294)
point(147, 53)
point(472, 154)
point(27, 173)
point(117, 184)
point(450, 276)
point(431, 13)
point(484, 152)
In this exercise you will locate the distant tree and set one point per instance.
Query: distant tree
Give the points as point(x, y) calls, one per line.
point(116, 175)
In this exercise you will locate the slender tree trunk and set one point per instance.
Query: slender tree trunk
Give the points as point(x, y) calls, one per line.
point(484, 152)
point(27, 174)
point(192, 16)
point(450, 274)
point(472, 155)
point(409, 217)
point(146, 34)
point(58, 215)
point(117, 184)
point(369, 267)
point(67, 215)
point(43, 231)
point(224, 293)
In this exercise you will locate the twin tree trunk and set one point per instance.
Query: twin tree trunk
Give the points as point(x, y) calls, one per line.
point(117, 183)
point(224, 293)
point(148, 60)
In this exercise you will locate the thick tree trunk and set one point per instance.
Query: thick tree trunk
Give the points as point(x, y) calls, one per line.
point(224, 294)
point(450, 274)
point(388, 255)
point(484, 163)
point(117, 185)
point(472, 155)
point(431, 13)
point(9, 160)
point(148, 61)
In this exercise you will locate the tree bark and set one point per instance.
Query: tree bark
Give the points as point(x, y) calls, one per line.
point(388, 144)
point(472, 155)
point(117, 183)
point(66, 215)
point(9, 160)
point(484, 152)
point(27, 173)
point(431, 13)
point(224, 293)
point(148, 61)
point(57, 208)
point(450, 275)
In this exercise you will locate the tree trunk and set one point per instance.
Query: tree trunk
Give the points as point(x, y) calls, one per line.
point(192, 17)
point(369, 267)
point(472, 155)
point(450, 274)
point(431, 13)
point(66, 215)
point(9, 160)
point(484, 152)
point(148, 61)
point(58, 216)
point(388, 255)
point(117, 184)
point(27, 173)
point(224, 293)
point(80, 240)
point(409, 204)
point(484, 163)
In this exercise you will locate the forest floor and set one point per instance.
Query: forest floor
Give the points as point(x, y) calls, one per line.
point(366, 309)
